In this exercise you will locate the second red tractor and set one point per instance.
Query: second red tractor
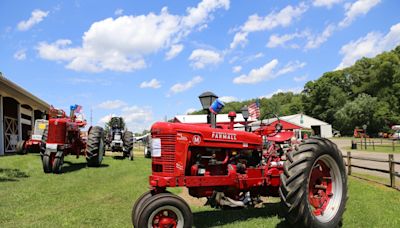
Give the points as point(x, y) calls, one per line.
point(63, 136)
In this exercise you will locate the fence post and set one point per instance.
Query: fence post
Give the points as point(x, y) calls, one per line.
point(393, 145)
point(391, 170)
point(348, 163)
point(373, 145)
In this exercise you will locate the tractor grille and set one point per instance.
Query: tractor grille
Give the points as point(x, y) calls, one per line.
point(167, 159)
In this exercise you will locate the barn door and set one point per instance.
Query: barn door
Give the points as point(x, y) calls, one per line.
point(10, 134)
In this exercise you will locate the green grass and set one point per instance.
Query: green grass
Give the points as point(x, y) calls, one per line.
point(379, 148)
point(103, 197)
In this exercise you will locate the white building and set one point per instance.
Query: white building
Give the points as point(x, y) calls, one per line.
point(18, 111)
point(319, 127)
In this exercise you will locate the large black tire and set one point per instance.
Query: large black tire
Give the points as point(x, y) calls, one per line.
point(128, 144)
point(303, 171)
point(46, 161)
point(138, 205)
point(175, 207)
point(20, 147)
point(95, 147)
point(58, 162)
point(44, 140)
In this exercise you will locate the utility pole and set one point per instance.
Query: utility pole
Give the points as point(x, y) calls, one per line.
point(91, 116)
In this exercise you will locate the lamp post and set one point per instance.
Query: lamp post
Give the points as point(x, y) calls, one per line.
point(245, 114)
point(206, 99)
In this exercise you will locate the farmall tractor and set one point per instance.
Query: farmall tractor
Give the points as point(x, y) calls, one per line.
point(36, 141)
point(119, 140)
point(65, 137)
point(232, 169)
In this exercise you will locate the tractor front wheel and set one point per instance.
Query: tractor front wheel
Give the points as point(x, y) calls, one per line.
point(20, 147)
point(314, 185)
point(47, 161)
point(165, 210)
point(128, 144)
point(95, 147)
point(58, 162)
point(138, 205)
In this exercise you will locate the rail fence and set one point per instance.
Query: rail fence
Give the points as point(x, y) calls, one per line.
point(391, 165)
point(368, 143)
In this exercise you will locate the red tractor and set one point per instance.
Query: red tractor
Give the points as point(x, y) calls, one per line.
point(235, 168)
point(35, 143)
point(65, 137)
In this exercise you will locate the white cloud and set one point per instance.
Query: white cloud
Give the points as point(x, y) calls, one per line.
point(300, 78)
point(174, 51)
point(136, 118)
point(20, 54)
point(201, 13)
point(293, 90)
point(190, 110)
point(290, 67)
point(252, 57)
point(277, 40)
point(257, 75)
point(316, 40)
point(137, 36)
point(201, 58)
point(180, 87)
point(112, 104)
point(236, 69)
point(268, 72)
point(257, 23)
point(153, 83)
point(118, 12)
point(228, 99)
point(36, 17)
point(370, 45)
point(358, 8)
point(326, 3)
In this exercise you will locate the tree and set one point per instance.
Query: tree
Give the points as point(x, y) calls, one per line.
point(119, 121)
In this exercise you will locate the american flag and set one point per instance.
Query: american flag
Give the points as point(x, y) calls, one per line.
point(254, 110)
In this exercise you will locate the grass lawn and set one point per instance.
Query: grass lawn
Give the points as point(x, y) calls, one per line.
point(379, 148)
point(103, 197)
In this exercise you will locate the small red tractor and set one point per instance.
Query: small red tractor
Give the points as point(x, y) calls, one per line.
point(65, 137)
point(235, 169)
point(35, 143)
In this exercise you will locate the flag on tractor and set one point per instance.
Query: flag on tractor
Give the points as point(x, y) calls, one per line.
point(76, 108)
point(254, 109)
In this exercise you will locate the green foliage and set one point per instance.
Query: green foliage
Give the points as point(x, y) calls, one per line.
point(366, 93)
point(114, 121)
point(280, 103)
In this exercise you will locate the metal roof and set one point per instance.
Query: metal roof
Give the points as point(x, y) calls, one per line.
point(9, 88)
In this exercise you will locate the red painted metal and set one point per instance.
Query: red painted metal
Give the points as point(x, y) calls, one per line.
point(182, 144)
point(65, 132)
point(165, 218)
point(320, 187)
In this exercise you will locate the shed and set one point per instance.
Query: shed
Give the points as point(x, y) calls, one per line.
point(18, 111)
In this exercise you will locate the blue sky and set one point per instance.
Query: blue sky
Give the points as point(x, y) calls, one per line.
point(148, 60)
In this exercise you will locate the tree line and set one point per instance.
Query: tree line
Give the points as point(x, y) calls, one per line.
point(367, 93)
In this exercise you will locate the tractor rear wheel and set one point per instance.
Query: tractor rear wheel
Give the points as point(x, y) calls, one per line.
point(128, 144)
point(58, 162)
point(165, 210)
point(314, 185)
point(20, 147)
point(47, 161)
point(95, 147)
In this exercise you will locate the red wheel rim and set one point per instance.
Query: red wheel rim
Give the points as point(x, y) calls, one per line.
point(165, 218)
point(320, 188)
